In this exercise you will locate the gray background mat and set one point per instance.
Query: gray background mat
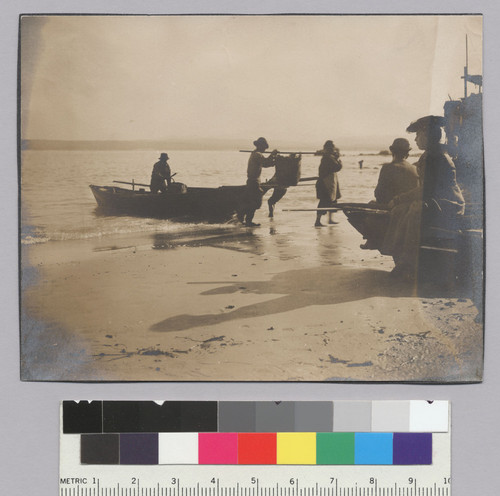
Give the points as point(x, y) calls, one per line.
point(30, 411)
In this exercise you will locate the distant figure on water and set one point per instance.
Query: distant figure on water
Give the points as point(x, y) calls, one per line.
point(361, 164)
point(437, 202)
point(397, 176)
point(327, 185)
point(254, 192)
point(161, 176)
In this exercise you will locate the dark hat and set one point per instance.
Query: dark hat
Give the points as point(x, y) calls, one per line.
point(328, 144)
point(164, 156)
point(400, 144)
point(261, 141)
point(427, 122)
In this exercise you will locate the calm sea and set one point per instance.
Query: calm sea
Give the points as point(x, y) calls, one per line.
point(57, 204)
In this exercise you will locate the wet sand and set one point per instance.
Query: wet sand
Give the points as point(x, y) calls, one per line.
point(281, 302)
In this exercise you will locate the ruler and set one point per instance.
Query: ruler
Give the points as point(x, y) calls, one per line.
point(80, 479)
point(325, 483)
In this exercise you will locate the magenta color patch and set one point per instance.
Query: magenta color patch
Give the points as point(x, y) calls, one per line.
point(217, 448)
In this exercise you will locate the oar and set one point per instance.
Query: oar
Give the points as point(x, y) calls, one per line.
point(336, 209)
point(355, 205)
point(133, 183)
point(269, 184)
point(351, 205)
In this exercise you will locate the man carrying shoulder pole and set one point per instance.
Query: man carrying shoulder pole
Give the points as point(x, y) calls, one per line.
point(254, 191)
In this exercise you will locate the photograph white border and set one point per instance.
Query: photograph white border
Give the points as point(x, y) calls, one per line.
point(29, 454)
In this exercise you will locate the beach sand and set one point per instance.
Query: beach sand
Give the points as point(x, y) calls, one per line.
point(282, 302)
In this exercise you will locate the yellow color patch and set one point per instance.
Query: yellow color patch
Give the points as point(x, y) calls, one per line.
point(296, 448)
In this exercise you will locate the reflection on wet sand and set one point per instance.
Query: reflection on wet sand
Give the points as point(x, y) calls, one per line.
point(284, 301)
point(323, 247)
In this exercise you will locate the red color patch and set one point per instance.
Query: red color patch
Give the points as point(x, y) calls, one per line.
point(257, 448)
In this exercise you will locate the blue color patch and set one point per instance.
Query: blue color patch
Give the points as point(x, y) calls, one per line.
point(373, 448)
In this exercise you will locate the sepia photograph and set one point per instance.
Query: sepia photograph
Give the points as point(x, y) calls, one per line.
point(251, 198)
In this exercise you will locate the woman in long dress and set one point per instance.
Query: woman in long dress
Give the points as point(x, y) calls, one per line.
point(327, 185)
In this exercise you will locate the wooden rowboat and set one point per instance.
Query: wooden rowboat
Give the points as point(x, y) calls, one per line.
point(207, 204)
point(190, 203)
point(453, 255)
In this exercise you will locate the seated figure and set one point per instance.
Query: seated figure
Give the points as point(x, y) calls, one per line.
point(395, 178)
point(437, 201)
point(398, 176)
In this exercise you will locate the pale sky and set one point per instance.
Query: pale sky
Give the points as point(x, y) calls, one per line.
point(304, 78)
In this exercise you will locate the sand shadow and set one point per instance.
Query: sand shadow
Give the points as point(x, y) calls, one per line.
point(298, 289)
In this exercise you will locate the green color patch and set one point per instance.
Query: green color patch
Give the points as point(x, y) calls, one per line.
point(335, 448)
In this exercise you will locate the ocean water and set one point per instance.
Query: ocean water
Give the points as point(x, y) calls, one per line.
point(57, 203)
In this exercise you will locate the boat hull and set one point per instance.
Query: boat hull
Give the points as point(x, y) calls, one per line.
point(209, 204)
point(372, 225)
point(451, 256)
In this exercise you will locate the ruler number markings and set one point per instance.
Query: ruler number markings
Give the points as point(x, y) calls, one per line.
point(331, 486)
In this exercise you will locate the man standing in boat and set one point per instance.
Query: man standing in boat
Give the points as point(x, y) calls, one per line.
point(161, 174)
point(254, 191)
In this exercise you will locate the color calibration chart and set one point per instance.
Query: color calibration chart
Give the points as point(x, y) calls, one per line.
point(262, 448)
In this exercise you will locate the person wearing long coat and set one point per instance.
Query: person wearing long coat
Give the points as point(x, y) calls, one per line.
point(436, 202)
point(397, 176)
point(327, 185)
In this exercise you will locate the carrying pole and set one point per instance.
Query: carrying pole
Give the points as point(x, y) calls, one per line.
point(284, 153)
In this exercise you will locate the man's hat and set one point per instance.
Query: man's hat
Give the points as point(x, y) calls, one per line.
point(261, 141)
point(427, 122)
point(164, 156)
point(400, 144)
